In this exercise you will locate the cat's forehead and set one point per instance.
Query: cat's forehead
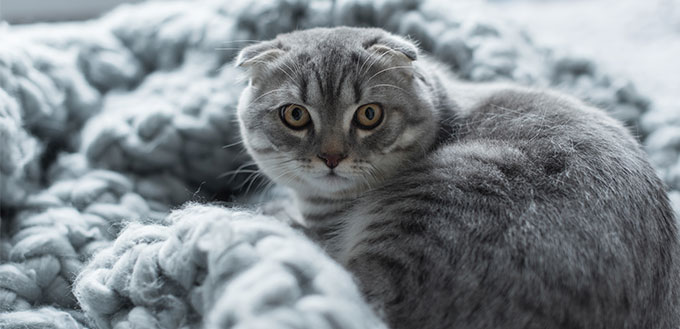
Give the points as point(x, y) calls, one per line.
point(339, 38)
point(328, 67)
point(326, 60)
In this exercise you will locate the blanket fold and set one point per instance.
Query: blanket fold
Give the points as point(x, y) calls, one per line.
point(108, 125)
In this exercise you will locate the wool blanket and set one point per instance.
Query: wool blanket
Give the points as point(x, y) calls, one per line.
point(127, 200)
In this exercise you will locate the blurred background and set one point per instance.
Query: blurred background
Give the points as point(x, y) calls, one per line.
point(638, 38)
point(34, 11)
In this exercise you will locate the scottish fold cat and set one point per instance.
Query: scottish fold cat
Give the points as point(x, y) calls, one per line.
point(459, 205)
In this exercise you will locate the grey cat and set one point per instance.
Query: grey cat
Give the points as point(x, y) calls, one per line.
point(459, 205)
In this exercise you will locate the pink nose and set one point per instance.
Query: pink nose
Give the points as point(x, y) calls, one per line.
point(332, 160)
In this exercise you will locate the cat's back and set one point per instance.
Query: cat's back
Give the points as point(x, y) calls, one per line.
point(539, 212)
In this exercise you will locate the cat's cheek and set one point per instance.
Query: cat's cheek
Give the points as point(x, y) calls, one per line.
point(244, 99)
point(284, 175)
point(389, 164)
point(258, 144)
point(409, 137)
point(361, 134)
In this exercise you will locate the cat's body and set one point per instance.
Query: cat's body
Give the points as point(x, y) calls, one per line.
point(464, 206)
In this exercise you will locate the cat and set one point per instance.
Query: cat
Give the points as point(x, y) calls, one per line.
point(459, 205)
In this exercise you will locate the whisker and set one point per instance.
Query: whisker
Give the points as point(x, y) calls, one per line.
point(289, 74)
point(241, 40)
point(375, 60)
point(298, 68)
point(364, 179)
point(266, 181)
point(388, 69)
point(391, 86)
point(260, 174)
point(265, 94)
point(361, 69)
point(237, 172)
point(251, 176)
point(232, 144)
point(257, 175)
point(240, 150)
point(273, 180)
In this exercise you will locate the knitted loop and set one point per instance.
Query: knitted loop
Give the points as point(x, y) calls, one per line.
point(239, 269)
point(60, 228)
point(171, 134)
point(46, 317)
point(42, 97)
point(142, 100)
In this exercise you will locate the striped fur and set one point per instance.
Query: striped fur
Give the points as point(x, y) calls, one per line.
point(492, 207)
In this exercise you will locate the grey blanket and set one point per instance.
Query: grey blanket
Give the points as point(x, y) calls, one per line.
point(108, 125)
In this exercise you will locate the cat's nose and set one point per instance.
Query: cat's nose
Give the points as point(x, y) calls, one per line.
point(332, 160)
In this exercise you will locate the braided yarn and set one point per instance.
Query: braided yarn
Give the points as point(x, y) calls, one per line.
point(19, 154)
point(58, 230)
point(225, 268)
point(168, 126)
point(43, 100)
point(43, 318)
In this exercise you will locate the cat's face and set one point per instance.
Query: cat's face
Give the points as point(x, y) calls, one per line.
point(334, 111)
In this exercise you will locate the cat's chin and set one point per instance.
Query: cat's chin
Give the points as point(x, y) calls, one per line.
point(334, 177)
point(333, 182)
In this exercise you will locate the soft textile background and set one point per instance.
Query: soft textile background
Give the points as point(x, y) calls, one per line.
point(107, 125)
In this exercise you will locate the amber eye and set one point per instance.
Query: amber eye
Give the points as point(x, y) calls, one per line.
point(368, 116)
point(295, 116)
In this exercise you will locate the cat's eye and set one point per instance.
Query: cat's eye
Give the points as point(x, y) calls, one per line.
point(295, 116)
point(368, 116)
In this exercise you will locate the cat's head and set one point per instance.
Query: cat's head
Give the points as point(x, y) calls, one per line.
point(333, 111)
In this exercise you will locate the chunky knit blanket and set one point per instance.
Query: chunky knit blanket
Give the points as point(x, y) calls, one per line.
point(127, 200)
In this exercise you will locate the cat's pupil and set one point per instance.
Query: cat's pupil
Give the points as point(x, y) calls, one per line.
point(369, 113)
point(296, 113)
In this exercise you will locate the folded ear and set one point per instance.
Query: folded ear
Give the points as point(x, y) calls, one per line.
point(396, 52)
point(256, 57)
point(397, 48)
point(261, 52)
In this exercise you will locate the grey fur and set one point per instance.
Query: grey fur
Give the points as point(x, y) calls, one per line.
point(470, 206)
